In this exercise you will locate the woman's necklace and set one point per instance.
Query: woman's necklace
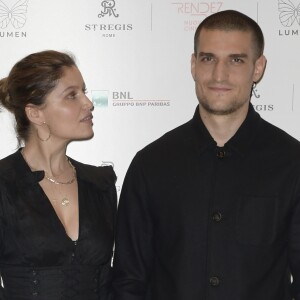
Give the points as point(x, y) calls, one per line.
point(65, 201)
point(52, 180)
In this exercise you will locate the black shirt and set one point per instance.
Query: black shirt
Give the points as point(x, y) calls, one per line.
point(199, 222)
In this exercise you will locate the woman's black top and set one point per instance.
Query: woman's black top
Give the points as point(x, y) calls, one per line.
point(38, 260)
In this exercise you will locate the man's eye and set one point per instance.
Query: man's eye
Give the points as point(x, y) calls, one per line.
point(237, 60)
point(207, 59)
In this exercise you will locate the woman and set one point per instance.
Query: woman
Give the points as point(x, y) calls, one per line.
point(57, 215)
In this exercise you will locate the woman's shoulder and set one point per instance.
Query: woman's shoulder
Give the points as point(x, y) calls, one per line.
point(103, 177)
point(7, 166)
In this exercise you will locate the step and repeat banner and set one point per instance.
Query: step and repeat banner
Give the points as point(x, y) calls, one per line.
point(135, 58)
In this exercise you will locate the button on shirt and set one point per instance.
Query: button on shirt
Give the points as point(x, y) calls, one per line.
point(217, 217)
point(199, 222)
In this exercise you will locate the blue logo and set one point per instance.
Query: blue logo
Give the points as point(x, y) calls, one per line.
point(100, 98)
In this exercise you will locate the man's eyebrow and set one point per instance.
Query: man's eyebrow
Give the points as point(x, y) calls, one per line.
point(206, 54)
point(238, 55)
point(233, 55)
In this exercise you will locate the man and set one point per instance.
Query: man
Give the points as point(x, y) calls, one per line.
point(211, 210)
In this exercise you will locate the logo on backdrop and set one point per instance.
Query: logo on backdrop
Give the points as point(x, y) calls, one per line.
point(100, 98)
point(121, 99)
point(195, 12)
point(289, 17)
point(255, 92)
point(107, 163)
point(289, 12)
point(258, 106)
point(111, 164)
point(108, 9)
point(108, 28)
point(293, 96)
point(13, 18)
point(16, 15)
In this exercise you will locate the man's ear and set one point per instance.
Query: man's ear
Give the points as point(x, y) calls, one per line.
point(193, 66)
point(260, 66)
point(34, 114)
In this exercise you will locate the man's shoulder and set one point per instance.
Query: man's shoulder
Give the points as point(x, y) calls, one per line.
point(165, 151)
point(277, 136)
point(175, 137)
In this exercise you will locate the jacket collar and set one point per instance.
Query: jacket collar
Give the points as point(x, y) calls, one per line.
point(247, 132)
point(15, 170)
point(242, 139)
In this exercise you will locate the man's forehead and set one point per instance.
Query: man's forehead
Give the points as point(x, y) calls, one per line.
point(236, 39)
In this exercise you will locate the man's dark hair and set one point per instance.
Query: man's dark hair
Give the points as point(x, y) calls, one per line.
point(229, 20)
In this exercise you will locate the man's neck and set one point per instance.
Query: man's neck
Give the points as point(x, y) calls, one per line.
point(223, 127)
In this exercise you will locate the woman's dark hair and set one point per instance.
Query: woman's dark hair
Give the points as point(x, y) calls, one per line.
point(29, 81)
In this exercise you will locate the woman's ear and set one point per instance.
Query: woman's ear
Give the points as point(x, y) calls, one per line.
point(34, 114)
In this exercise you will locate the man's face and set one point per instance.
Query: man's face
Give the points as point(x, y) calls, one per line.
point(224, 70)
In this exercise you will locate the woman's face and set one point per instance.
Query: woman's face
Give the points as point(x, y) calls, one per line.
point(67, 110)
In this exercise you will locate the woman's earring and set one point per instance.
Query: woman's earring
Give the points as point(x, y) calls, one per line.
point(48, 137)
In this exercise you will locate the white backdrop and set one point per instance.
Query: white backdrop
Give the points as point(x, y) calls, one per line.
point(135, 59)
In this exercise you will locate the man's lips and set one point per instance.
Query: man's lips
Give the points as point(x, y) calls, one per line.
point(220, 89)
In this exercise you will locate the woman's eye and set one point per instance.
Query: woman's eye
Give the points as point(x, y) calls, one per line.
point(72, 95)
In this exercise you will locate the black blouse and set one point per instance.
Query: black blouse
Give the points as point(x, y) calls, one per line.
point(38, 260)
